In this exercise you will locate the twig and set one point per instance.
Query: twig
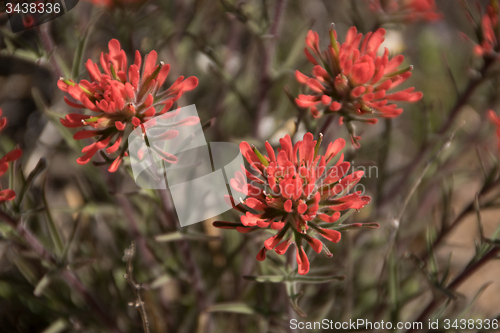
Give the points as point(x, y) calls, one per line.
point(146, 252)
point(69, 277)
point(456, 283)
point(48, 46)
point(383, 156)
point(186, 253)
point(466, 211)
point(419, 179)
point(76, 284)
point(136, 287)
point(265, 79)
point(291, 264)
point(396, 222)
point(297, 123)
point(326, 124)
point(460, 103)
point(30, 239)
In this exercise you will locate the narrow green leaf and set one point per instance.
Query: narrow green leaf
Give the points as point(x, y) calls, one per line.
point(40, 166)
point(474, 300)
point(346, 227)
point(26, 269)
point(71, 238)
point(478, 216)
point(447, 270)
point(160, 281)
point(293, 298)
point(80, 49)
point(317, 279)
point(433, 266)
point(11, 38)
point(56, 327)
point(449, 293)
point(399, 72)
point(42, 285)
point(266, 278)
point(54, 232)
point(177, 236)
point(296, 50)
point(236, 307)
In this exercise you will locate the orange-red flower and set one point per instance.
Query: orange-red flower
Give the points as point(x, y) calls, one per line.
point(7, 195)
point(406, 10)
point(296, 194)
point(121, 98)
point(488, 43)
point(351, 80)
point(492, 116)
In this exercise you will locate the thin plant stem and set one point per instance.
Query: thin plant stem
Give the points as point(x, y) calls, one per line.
point(326, 124)
point(187, 256)
point(417, 182)
point(396, 222)
point(146, 253)
point(49, 46)
point(383, 158)
point(267, 56)
point(460, 217)
point(291, 265)
point(300, 115)
point(136, 287)
point(454, 112)
point(68, 276)
point(456, 283)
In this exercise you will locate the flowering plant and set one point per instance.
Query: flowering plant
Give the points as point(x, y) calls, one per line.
point(86, 250)
point(351, 80)
point(406, 10)
point(121, 99)
point(295, 193)
point(487, 45)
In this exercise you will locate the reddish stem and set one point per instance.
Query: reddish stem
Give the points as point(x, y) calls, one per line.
point(267, 57)
point(69, 277)
point(459, 104)
point(456, 283)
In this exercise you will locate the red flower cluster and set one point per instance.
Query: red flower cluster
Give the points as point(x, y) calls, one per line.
point(488, 45)
point(406, 10)
point(122, 98)
point(492, 116)
point(350, 79)
point(295, 194)
point(7, 195)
